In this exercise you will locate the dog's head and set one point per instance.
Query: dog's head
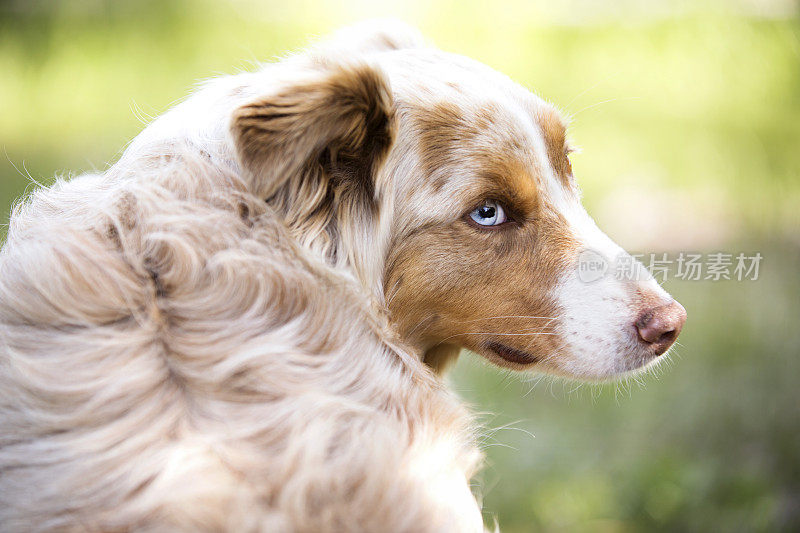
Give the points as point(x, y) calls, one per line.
point(448, 190)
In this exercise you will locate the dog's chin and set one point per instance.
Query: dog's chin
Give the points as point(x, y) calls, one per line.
point(623, 364)
point(591, 367)
point(640, 362)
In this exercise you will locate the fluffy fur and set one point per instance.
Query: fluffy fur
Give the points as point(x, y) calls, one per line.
point(241, 325)
point(173, 360)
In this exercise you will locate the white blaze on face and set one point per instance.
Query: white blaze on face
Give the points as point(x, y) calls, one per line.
point(600, 296)
point(601, 299)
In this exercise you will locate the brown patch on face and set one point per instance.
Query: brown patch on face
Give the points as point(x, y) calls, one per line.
point(490, 290)
point(452, 137)
point(555, 138)
point(440, 129)
point(487, 291)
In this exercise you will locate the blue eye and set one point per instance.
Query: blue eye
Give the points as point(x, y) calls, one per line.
point(489, 214)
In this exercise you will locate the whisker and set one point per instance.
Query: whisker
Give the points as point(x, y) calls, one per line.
point(493, 333)
point(534, 382)
point(534, 329)
point(510, 316)
point(530, 342)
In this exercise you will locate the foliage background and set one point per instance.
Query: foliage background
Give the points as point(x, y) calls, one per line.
point(689, 118)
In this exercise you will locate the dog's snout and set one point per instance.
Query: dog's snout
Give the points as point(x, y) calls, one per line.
point(659, 326)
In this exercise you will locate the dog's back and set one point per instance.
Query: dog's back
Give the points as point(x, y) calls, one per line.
point(170, 359)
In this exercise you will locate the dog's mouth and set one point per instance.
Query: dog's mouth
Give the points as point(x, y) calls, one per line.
point(512, 355)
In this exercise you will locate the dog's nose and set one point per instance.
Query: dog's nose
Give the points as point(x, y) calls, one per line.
point(659, 327)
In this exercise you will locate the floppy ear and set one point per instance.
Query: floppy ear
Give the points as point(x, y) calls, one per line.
point(312, 148)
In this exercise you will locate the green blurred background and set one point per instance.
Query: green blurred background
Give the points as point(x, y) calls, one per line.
point(688, 114)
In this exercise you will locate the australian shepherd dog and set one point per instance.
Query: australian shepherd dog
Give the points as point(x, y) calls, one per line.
point(243, 324)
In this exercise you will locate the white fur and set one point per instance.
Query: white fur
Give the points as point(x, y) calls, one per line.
point(598, 315)
point(173, 357)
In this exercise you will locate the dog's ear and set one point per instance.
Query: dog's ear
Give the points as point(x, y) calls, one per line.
point(311, 149)
point(336, 121)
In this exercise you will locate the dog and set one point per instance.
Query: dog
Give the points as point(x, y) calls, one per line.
point(243, 323)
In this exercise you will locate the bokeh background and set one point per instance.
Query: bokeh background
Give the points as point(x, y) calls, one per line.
point(688, 113)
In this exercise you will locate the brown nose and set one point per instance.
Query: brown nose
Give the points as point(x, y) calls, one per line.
point(659, 327)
